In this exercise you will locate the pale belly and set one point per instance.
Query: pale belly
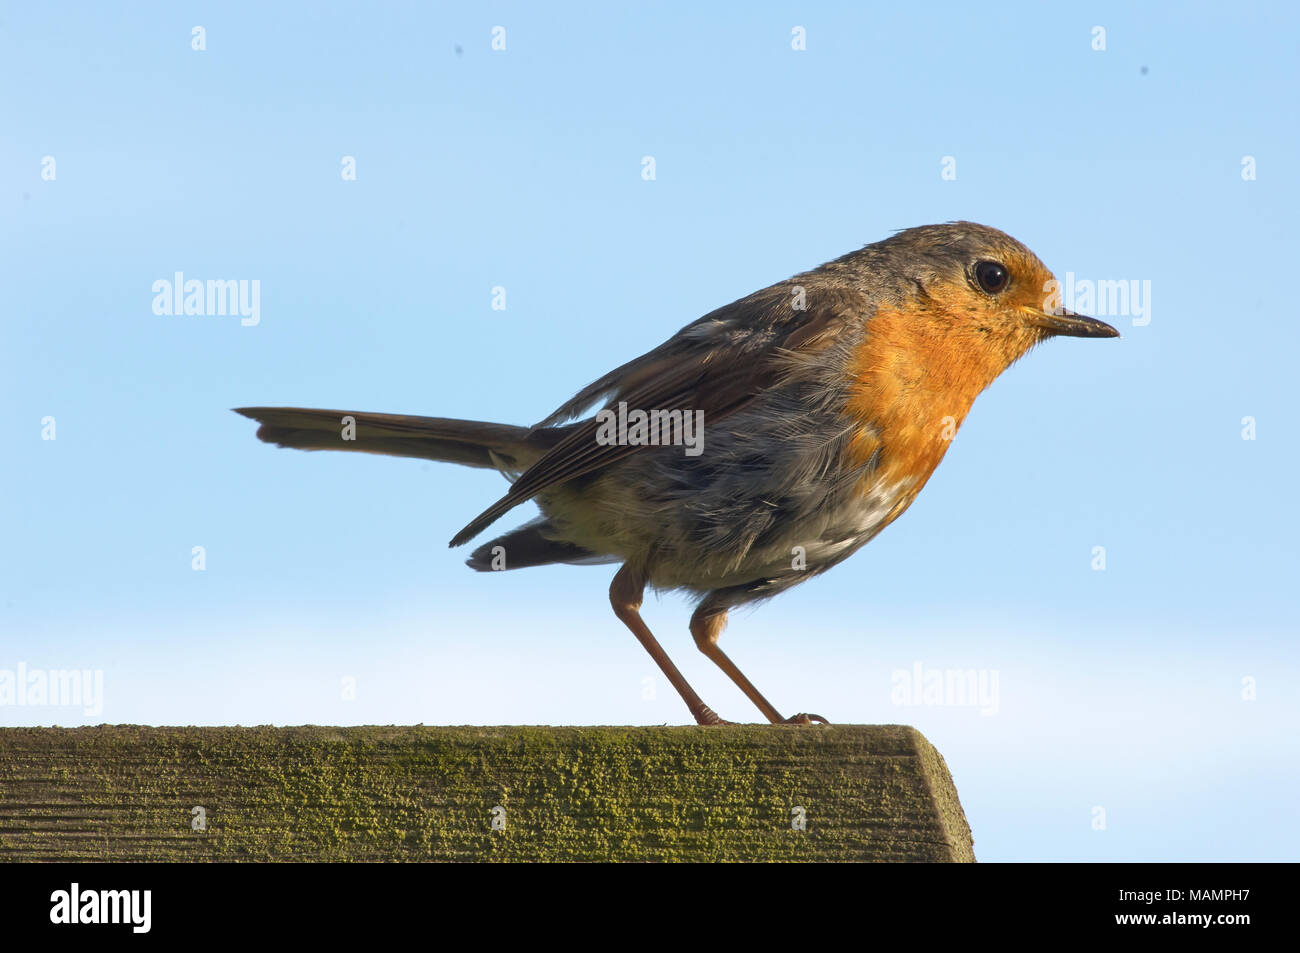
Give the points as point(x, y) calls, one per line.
point(707, 542)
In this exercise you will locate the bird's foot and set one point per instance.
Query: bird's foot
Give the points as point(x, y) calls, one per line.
point(707, 716)
point(802, 719)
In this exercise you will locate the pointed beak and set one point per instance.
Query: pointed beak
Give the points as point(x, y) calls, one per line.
point(1069, 324)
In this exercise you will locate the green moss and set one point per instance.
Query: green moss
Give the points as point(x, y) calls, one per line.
point(376, 793)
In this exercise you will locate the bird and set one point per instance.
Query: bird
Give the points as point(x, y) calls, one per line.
point(760, 445)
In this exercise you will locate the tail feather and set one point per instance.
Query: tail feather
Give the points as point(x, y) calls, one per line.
point(531, 545)
point(468, 442)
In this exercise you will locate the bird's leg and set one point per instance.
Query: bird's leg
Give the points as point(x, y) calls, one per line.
point(625, 594)
point(706, 625)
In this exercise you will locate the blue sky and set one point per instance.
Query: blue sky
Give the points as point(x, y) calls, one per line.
point(1119, 689)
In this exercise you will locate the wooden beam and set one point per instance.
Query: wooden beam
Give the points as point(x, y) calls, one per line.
point(730, 793)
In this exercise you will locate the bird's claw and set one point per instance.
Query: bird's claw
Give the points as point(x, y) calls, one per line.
point(707, 716)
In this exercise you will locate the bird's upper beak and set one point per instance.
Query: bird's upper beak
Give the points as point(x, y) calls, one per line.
point(1069, 324)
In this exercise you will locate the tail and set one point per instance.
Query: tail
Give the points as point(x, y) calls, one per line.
point(469, 442)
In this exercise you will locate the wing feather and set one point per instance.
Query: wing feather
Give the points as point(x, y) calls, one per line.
point(717, 364)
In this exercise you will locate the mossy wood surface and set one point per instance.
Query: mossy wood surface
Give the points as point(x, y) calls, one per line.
point(868, 792)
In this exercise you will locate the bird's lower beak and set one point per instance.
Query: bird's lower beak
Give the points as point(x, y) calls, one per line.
point(1070, 324)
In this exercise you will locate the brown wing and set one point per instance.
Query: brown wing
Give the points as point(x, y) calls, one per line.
point(718, 365)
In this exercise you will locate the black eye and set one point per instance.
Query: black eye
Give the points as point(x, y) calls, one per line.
point(991, 276)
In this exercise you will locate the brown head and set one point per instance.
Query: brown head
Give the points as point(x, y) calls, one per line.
point(957, 304)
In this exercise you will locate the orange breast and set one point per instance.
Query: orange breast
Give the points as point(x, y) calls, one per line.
point(916, 375)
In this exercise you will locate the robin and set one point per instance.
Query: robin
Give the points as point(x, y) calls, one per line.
point(758, 446)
